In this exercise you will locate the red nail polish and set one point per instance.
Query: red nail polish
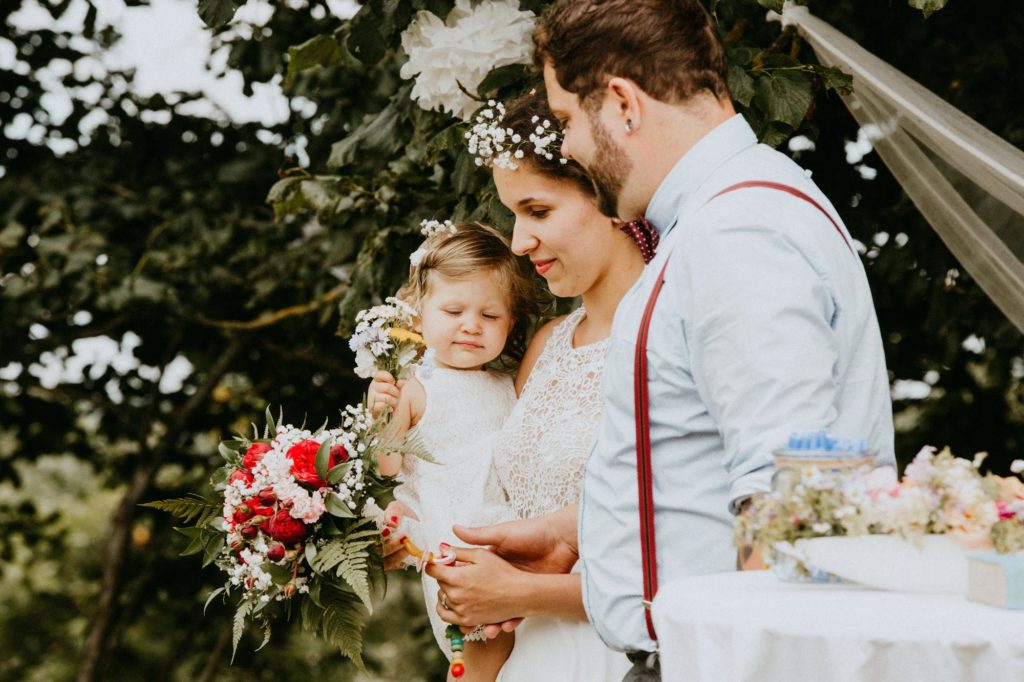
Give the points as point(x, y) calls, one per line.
point(394, 519)
point(385, 532)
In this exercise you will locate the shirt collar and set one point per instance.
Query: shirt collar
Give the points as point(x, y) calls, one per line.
point(696, 165)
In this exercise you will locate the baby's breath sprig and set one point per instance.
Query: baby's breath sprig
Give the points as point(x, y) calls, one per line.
point(496, 145)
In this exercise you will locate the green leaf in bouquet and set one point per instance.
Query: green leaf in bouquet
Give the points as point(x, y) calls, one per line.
point(310, 552)
point(270, 430)
point(213, 595)
point(322, 428)
point(219, 477)
point(338, 472)
point(314, 592)
point(266, 635)
point(279, 573)
point(241, 613)
point(213, 544)
point(195, 536)
point(191, 508)
point(339, 618)
point(337, 507)
point(323, 459)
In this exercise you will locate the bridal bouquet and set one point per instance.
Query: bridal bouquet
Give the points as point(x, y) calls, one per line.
point(384, 339)
point(938, 494)
point(297, 527)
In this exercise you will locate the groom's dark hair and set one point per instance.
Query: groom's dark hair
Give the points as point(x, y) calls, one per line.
point(670, 48)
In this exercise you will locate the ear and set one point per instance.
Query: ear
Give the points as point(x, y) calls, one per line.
point(626, 98)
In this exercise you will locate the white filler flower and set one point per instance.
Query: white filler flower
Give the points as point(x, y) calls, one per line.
point(462, 50)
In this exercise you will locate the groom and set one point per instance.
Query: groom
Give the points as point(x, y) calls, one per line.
point(764, 325)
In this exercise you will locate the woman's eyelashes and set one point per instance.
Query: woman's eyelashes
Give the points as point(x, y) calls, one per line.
point(539, 213)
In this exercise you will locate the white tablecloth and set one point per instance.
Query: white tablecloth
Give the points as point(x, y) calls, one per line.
point(750, 626)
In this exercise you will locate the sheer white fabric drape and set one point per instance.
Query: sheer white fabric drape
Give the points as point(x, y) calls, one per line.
point(967, 182)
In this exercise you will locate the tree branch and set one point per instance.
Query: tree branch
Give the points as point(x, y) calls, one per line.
point(117, 547)
point(273, 318)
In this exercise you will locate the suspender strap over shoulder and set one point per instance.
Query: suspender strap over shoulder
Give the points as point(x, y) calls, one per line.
point(641, 409)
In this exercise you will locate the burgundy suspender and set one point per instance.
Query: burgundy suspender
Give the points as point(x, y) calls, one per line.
point(642, 411)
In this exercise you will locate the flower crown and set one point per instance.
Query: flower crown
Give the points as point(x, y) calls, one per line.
point(495, 145)
point(429, 228)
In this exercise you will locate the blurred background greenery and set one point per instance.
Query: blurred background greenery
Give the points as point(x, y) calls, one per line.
point(153, 236)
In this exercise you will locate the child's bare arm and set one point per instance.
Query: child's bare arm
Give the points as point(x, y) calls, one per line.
point(407, 414)
point(483, 660)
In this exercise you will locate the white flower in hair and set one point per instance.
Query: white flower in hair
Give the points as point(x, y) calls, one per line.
point(428, 228)
point(474, 39)
point(494, 144)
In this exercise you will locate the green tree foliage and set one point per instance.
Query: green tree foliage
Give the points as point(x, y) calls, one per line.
point(191, 239)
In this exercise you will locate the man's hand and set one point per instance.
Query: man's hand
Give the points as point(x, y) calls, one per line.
point(546, 544)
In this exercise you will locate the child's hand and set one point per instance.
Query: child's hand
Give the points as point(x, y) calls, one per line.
point(394, 551)
point(384, 393)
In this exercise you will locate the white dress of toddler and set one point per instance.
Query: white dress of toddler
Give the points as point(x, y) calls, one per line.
point(538, 461)
point(464, 412)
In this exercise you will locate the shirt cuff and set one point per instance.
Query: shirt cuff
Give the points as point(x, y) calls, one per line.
point(744, 488)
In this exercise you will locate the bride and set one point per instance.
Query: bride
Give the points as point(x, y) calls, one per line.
point(538, 463)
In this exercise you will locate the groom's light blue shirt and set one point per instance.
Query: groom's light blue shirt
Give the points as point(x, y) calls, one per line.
point(765, 326)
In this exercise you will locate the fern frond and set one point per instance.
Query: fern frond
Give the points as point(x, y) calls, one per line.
point(189, 508)
point(240, 615)
point(349, 560)
point(341, 623)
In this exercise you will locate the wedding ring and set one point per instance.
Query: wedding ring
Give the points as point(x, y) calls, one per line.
point(444, 600)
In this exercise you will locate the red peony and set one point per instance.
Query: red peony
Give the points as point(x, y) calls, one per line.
point(303, 457)
point(252, 508)
point(241, 475)
point(338, 454)
point(283, 527)
point(254, 454)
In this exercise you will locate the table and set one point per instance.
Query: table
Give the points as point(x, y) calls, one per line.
point(750, 626)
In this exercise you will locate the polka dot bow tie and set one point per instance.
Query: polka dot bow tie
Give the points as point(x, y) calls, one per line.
point(645, 236)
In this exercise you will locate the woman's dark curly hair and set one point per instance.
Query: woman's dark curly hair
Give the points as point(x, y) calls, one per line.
point(519, 116)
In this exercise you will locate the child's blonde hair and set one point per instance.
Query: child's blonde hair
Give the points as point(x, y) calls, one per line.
point(470, 249)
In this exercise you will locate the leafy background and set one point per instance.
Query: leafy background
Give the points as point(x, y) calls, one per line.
point(204, 240)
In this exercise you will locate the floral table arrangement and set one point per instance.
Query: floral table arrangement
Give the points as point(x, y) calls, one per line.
point(913, 533)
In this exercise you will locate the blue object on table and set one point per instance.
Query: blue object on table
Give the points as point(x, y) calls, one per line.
point(996, 579)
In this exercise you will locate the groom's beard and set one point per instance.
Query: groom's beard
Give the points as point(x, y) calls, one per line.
point(608, 170)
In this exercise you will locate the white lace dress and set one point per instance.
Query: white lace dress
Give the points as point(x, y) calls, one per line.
point(464, 413)
point(539, 461)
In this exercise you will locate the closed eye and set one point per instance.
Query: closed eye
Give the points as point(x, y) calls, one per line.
point(488, 316)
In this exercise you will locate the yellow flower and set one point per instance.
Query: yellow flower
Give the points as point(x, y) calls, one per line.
point(399, 334)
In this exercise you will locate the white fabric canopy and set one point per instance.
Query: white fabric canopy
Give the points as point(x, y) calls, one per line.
point(967, 182)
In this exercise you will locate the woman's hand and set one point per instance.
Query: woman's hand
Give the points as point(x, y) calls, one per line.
point(393, 550)
point(480, 588)
point(384, 393)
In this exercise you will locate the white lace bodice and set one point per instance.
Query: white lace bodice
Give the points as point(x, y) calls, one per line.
point(463, 416)
point(541, 451)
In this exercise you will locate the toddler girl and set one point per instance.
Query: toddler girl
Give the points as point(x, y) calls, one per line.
point(474, 300)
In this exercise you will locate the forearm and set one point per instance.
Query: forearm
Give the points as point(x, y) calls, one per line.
point(549, 594)
point(565, 525)
point(389, 464)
